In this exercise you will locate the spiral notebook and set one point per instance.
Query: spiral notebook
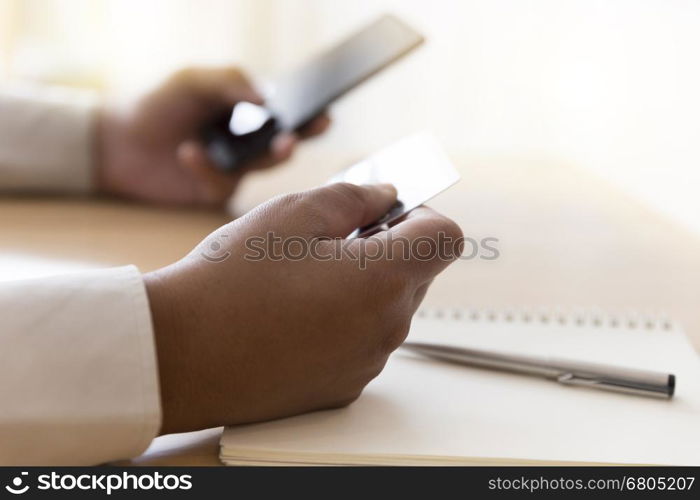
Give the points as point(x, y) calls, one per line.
point(425, 412)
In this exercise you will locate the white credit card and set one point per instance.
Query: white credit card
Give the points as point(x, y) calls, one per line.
point(416, 165)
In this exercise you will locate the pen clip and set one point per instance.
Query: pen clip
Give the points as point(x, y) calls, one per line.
point(568, 378)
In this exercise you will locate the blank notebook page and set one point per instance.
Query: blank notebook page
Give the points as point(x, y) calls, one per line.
point(420, 411)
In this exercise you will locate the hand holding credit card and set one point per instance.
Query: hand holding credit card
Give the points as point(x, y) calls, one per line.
point(416, 165)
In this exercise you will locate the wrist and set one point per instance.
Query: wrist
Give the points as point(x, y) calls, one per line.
point(168, 331)
point(112, 164)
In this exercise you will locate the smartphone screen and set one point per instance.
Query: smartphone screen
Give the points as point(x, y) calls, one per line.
point(301, 94)
point(298, 96)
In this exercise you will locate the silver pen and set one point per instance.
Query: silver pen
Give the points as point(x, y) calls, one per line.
point(592, 375)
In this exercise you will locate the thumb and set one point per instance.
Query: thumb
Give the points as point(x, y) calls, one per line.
point(338, 209)
point(228, 85)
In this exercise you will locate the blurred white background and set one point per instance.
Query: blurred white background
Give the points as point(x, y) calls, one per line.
point(609, 86)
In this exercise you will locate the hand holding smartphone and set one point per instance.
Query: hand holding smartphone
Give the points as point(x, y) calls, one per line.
point(235, 139)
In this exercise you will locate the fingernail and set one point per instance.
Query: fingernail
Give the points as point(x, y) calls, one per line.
point(389, 189)
point(283, 143)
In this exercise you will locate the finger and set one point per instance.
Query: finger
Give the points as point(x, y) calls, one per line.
point(338, 209)
point(282, 146)
point(229, 85)
point(434, 242)
point(210, 186)
point(315, 126)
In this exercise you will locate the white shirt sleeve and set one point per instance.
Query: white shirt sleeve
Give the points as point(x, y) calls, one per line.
point(78, 369)
point(46, 140)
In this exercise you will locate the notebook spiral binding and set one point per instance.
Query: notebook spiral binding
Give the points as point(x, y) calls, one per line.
point(576, 317)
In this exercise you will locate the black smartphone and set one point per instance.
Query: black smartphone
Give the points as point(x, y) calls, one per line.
point(237, 137)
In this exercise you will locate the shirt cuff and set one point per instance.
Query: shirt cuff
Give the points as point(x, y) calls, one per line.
point(79, 378)
point(46, 140)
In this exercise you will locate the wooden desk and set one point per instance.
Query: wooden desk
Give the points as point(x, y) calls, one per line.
point(566, 239)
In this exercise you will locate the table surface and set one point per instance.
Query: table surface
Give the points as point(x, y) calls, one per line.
point(566, 240)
